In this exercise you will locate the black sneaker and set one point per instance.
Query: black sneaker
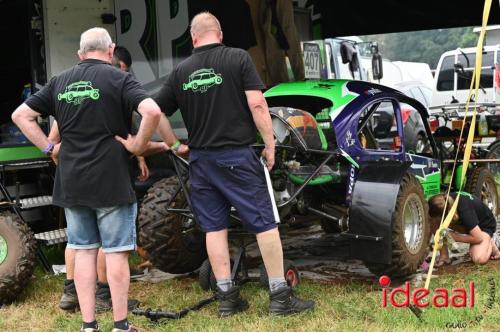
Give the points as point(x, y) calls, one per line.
point(284, 302)
point(69, 299)
point(230, 302)
point(103, 299)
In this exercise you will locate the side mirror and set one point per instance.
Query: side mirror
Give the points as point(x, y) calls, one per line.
point(459, 68)
point(349, 55)
point(377, 64)
point(347, 51)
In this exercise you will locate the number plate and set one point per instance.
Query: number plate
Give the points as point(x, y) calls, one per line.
point(312, 60)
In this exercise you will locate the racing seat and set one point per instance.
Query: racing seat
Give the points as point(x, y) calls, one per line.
point(305, 130)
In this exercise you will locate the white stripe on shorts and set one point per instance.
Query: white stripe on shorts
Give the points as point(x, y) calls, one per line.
point(271, 191)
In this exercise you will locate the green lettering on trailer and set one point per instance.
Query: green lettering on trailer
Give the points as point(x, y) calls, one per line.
point(20, 153)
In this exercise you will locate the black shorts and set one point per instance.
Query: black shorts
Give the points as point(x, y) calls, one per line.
point(225, 177)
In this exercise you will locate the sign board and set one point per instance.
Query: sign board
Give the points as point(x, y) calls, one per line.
point(312, 60)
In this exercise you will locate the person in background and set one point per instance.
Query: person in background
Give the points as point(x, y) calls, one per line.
point(473, 223)
point(123, 60)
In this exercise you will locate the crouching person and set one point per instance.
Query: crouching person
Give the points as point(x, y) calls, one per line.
point(222, 113)
point(473, 223)
point(92, 102)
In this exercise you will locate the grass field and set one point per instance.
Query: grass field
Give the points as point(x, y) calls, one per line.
point(341, 306)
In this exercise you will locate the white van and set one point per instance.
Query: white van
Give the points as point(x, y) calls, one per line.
point(454, 72)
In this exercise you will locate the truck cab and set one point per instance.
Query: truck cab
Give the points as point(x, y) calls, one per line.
point(335, 58)
point(454, 73)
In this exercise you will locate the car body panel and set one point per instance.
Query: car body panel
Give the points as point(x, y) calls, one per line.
point(374, 175)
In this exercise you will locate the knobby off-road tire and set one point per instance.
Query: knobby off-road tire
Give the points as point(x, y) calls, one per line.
point(481, 184)
point(410, 231)
point(17, 256)
point(170, 246)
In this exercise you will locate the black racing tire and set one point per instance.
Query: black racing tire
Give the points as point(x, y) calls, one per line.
point(407, 253)
point(481, 183)
point(169, 245)
point(17, 256)
point(206, 277)
point(292, 275)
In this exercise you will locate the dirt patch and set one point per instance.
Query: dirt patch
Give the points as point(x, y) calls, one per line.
point(325, 258)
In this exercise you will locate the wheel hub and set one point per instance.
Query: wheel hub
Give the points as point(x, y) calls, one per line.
point(413, 223)
point(489, 198)
point(3, 249)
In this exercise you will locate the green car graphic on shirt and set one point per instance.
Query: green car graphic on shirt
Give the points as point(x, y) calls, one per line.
point(202, 79)
point(77, 92)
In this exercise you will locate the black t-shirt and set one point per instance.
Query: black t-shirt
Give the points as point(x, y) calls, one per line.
point(209, 88)
point(473, 212)
point(92, 102)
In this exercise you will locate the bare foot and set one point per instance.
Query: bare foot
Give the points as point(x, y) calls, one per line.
point(443, 261)
point(495, 253)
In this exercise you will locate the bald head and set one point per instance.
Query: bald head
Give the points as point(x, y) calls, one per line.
point(205, 29)
point(95, 41)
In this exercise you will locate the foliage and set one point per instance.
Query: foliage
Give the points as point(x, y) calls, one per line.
point(423, 46)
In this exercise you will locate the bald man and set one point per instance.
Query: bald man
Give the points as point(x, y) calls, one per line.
point(218, 92)
point(92, 103)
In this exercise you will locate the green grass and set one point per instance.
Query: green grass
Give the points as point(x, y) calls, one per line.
point(341, 306)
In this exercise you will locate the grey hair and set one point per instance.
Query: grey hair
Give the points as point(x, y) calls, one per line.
point(95, 39)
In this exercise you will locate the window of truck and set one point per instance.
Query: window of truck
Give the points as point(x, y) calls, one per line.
point(447, 72)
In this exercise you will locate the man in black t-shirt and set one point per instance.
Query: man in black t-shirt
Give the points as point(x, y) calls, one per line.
point(69, 299)
point(93, 103)
point(218, 92)
point(473, 223)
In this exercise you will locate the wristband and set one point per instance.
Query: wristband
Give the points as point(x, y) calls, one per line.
point(175, 146)
point(48, 150)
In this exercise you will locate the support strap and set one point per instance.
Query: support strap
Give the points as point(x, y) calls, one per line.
point(474, 87)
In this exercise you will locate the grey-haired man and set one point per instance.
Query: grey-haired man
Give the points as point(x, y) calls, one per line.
point(93, 103)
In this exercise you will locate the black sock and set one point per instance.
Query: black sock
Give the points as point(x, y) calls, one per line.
point(91, 325)
point(68, 282)
point(122, 324)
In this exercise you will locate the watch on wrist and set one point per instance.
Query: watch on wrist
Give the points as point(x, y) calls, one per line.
point(48, 150)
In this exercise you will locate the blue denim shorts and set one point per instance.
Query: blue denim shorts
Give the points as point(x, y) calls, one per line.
point(113, 227)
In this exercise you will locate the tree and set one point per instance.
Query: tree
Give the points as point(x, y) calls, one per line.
point(423, 46)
